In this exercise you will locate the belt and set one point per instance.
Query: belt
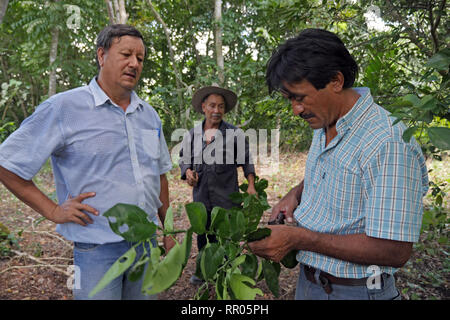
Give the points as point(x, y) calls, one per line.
point(327, 279)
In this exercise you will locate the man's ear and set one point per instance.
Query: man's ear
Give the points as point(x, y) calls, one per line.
point(101, 55)
point(203, 107)
point(337, 82)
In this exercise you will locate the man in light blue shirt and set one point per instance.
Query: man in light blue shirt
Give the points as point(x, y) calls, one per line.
point(359, 208)
point(106, 147)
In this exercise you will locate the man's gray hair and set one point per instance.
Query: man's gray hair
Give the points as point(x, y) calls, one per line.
point(107, 35)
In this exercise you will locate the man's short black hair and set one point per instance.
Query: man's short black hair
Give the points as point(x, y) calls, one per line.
point(107, 35)
point(315, 55)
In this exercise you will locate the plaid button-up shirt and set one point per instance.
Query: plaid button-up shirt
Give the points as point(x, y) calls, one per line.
point(367, 180)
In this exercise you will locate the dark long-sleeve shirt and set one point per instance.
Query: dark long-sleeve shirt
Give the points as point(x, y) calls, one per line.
point(216, 163)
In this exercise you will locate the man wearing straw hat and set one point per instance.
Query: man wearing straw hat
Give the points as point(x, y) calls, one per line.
point(208, 158)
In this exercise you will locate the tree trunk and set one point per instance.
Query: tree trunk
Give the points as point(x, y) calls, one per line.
point(110, 9)
point(122, 12)
point(117, 12)
point(178, 80)
point(53, 55)
point(218, 40)
point(3, 7)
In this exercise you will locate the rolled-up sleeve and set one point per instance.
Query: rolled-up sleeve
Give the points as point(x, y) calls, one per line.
point(39, 136)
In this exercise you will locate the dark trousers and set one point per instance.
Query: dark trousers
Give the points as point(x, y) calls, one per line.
point(201, 238)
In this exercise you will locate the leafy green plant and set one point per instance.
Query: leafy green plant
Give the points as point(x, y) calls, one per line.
point(6, 129)
point(8, 240)
point(227, 265)
point(428, 116)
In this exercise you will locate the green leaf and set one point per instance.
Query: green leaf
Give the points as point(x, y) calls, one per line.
point(130, 222)
point(271, 276)
point(236, 197)
point(440, 137)
point(428, 103)
point(254, 211)
point(187, 246)
point(212, 259)
point(237, 225)
point(241, 290)
point(221, 287)
point(290, 260)
point(243, 187)
point(118, 267)
point(440, 60)
point(412, 99)
point(137, 270)
point(408, 133)
point(259, 234)
point(168, 220)
point(261, 185)
point(224, 228)
point(217, 216)
point(197, 215)
point(202, 293)
point(231, 250)
point(164, 274)
point(250, 266)
point(237, 262)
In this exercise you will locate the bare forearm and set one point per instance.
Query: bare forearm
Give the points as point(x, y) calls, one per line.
point(27, 192)
point(298, 191)
point(251, 181)
point(356, 248)
point(164, 198)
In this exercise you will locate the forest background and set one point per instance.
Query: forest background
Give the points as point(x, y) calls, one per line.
point(402, 48)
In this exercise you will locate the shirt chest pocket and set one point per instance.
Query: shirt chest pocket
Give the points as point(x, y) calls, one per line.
point(344, 192)
point(150, 143)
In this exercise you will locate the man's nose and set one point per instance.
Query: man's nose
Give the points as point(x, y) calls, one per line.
point(297, 107)
point(133, 62)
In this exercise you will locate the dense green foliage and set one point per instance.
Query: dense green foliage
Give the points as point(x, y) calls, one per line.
point(393, 58)
point(227, 265)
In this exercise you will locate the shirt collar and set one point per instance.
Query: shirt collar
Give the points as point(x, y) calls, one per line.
point(101, 98)
point(222, 126)
point(359, 108)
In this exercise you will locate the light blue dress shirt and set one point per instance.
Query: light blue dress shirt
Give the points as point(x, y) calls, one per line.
point(367, 180)
point(94, 147)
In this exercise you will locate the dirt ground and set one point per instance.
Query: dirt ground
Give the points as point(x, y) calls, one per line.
point(40, 267)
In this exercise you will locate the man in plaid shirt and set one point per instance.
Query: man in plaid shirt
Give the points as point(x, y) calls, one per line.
point(359, 208)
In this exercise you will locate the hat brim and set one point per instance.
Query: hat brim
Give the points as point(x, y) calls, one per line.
point(229, 96)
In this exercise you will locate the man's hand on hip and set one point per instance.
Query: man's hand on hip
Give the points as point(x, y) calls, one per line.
point(71, 210)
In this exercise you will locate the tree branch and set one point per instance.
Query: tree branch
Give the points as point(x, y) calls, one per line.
point(407, 28)
point(3, 7)
point(41, 263)
point(218, 40)
point(179, 82)
point(122, 12)
point(110, 9)
point(435, 23)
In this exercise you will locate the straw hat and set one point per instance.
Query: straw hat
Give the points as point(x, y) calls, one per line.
point(229, 96)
